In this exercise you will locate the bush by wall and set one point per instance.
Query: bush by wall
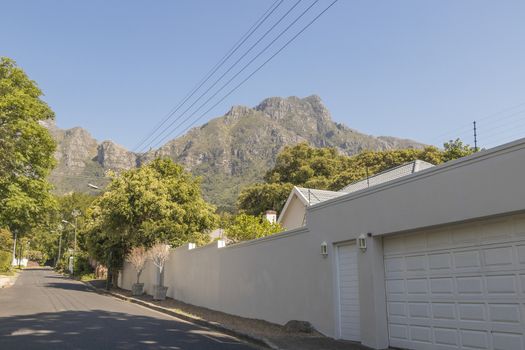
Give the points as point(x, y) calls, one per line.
point(5, 261)
point(82, 265)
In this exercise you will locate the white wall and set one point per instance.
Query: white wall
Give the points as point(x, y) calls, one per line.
point(278, 278)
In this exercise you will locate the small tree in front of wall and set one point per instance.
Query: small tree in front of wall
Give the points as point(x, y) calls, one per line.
point(137, 257)
point(159, 254)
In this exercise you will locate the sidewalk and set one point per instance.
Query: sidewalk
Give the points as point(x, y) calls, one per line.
point(261, 332)
point(8, 281)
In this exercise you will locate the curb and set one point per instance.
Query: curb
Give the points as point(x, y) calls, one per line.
point(199, 321)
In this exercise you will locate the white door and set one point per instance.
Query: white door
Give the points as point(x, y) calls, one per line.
point(347, 286)
point(458, 288)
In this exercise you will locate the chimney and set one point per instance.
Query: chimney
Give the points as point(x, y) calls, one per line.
point(271, 216)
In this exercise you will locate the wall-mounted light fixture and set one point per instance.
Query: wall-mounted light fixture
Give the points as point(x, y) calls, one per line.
point(324, 249)
point(361, 242)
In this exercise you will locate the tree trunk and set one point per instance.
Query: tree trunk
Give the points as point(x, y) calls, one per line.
point(161, 278)
point(114, 278)
point(138, 276)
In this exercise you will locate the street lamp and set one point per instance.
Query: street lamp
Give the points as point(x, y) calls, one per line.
point(75, 213)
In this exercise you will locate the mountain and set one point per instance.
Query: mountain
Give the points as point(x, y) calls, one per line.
point(228, 152)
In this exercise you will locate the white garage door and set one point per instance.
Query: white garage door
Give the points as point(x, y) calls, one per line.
point(348, 292)
point(458, 288)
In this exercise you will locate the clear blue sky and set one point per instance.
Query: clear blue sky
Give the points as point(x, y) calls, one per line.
point(416, 69)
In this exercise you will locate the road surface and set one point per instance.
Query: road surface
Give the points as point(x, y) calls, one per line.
point(44, 310)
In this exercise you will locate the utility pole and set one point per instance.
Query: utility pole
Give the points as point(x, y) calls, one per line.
point(20, 251)
point(75, 214)
point(14, 247)
point(60, 229)
point(475, 137)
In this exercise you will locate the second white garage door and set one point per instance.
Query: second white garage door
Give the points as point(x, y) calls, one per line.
point(458, 288)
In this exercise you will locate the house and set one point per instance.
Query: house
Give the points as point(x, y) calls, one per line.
point(293, 214)
point(431, 260)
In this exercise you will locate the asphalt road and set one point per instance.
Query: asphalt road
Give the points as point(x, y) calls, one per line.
point(44, 310)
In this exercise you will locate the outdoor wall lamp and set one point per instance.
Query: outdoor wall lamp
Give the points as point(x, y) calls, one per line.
point(324, 249)
point(361, 242)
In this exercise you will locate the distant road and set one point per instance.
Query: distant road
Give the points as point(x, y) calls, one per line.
point(44, 310)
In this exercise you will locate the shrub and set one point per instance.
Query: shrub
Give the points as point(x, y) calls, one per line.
point(245, 227)
point(6, 240)
point(5, 261)
point(82, 265)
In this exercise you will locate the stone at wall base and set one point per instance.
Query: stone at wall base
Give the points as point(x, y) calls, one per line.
point(137, 289)
point(295, 326)
point(159, 292)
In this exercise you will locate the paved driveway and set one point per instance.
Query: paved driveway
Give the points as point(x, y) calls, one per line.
point(44, 310)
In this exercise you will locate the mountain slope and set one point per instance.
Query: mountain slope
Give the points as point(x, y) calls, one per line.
point(229, 151)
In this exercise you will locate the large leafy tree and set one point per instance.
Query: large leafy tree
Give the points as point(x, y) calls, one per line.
point(26, 151)
point(258, 198)
point(325, 168)
point(158, 202)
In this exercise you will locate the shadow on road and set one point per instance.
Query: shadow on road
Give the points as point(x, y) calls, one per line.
point(68, 286)
point(99, 329)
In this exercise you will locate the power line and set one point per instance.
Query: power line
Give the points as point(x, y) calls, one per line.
point(217, 66)
point(261, 66)
point(152, 142)
point(251, 61)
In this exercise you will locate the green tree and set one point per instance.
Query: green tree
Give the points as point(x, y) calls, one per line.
point(45, 238)
point(324, 168)
point(26, 151)
point(245, 227)
point(6, 240)
point(158, 202)
point(69, 204)
point(257, 198)
point(455, 149)
point(301, 163)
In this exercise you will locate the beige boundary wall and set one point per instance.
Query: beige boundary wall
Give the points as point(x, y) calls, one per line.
point(284, 277)
point(277, 279)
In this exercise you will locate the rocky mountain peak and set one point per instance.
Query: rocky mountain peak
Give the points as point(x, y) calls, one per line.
point(115, 157)
point(237, 112)
point(308, 107)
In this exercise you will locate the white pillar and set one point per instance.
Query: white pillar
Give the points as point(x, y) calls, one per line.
point(374, 326)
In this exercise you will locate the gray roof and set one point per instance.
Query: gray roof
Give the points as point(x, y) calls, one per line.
point(314, 196)
point(387, 175)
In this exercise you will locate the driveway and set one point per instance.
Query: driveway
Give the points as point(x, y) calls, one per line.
point(44, 310)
